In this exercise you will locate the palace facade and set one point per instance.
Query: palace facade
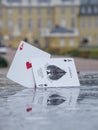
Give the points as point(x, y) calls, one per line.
point(49, 23)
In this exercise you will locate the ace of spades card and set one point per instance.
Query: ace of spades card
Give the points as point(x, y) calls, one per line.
point(55, 72)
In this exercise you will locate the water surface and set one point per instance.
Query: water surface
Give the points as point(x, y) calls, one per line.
point(69, 108)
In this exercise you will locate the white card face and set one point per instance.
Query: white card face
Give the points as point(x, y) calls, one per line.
point(55, 72)
point(20, 69)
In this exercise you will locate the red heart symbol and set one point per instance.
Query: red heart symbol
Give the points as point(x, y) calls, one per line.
point(29, 109)
point(21, 46)
point(28, 65)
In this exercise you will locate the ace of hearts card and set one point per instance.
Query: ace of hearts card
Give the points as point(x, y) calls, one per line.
point(20, 70)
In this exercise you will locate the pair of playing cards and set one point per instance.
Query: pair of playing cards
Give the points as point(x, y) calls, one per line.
point(33, 67)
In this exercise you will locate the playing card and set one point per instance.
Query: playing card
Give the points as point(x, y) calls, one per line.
point(55, 72)
point(20, 69)
point(65, 97)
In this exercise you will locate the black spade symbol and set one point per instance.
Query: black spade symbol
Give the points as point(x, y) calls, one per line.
point(54, 72)
point(55, 99)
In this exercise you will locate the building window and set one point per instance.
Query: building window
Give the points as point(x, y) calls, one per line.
point(1, 24)
point(14, 1)
point(1, 11)
point(95, 10)
point(83, 10)
point(84, 2)
point(83, 23)
point(9, 1)
point(95, 37)
point(95, 23)
point(10, 23)
point(39, 24)
point(10, 11)
point(29, 10)
point(90, 38)
point(44, 1)
point(71, 42)
point(30, 23)
point(20, 23)
point(39, 11)
point(30, 1)
point(73, 10)
point(89, 23)
point(48, 23)
point(94, 2)
point(89, 10)
point(48, 11)
point(73, 24)
point(62, 42)
point(63, 22)
point(20, 11)
point(63, 1)
point(63, 10)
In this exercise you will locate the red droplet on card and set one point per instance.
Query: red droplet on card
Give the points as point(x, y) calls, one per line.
point(28, 65)
point(29, 109)
point(21, 46)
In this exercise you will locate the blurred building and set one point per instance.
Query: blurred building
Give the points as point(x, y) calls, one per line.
point(49, 23)
point(88, 21)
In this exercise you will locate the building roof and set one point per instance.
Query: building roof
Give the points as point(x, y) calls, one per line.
point(46, 1)
point(58, 29)
point(88, 7)
point(33, 3)
point(89, 2)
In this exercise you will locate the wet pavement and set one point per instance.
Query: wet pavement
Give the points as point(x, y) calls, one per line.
point(71, 108)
